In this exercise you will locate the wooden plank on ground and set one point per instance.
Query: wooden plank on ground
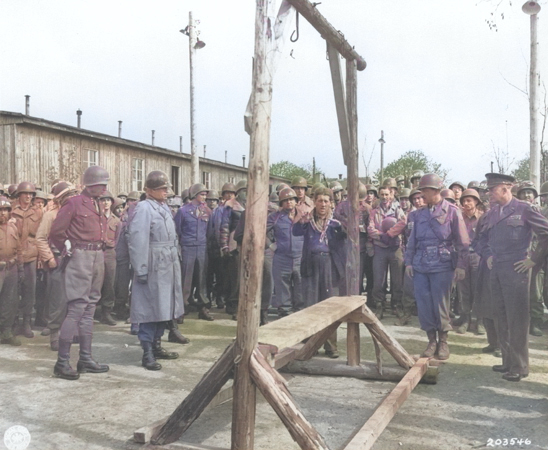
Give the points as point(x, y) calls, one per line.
point(198, 399)
point(368, 434)
point(296, 327)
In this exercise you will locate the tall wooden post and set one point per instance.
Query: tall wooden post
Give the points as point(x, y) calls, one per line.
point(534, 145)
point(353, 249)
point(252, 257)
point(194, 160)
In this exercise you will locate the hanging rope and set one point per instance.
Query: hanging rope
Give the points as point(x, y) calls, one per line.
point(296, 32)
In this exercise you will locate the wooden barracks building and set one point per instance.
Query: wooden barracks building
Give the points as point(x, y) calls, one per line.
point(39, 151)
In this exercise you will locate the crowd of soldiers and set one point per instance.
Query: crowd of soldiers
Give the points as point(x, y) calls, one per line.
point(463, 258)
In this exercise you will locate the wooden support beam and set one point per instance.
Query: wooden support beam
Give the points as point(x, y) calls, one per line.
point(353, 344)
point(315, 342)
point(377, 353)
point(390, 344)
point(362, 315)
point(198, 399)
point(368, 434)
point(274, 389)
point(340, 98)
point(327, 31)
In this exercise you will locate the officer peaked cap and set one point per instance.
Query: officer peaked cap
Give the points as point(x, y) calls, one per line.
point(494, 179)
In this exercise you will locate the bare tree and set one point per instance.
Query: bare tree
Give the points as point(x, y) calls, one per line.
point(502, 158)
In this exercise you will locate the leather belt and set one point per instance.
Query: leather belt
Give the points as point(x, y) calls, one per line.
point(94, 246)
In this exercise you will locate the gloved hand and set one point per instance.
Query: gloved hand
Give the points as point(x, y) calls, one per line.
point(142, 279)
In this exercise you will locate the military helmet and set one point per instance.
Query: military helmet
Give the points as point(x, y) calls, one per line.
point(544, 188)
point(457, 183)
point(62, 188)
point(388, 223)
point(285, 194)
point(12, 189)
point(242, 184)
point(316, 186)
point(417, 174)
point(176, 200)
point(524, 185)
point(212, 195)
point(116, 203)
point(26, 187)
point(228, 187)
point(362, 191)
point(431, 180)
point(273, 197)
point(413, 193)
point(473, 185)
point(184, 194)
point(335, 186)
point(133, 195)
point(448, 195)
point(299, 182)
point(170, 192)
point(157, 180)
point(42, 195)
point(107, 194)
point(483, 185)
point(470, 193)
point(95, 175)
point(122, 194)
point(372, 188)
point(404, 193)
point(195, 189)
point(400, 178)
point(281, 187)
point(389, 183)
point(514, 190)
point(5, 203)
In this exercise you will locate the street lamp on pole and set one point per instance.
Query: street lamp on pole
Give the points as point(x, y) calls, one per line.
point(532, 8)
point(193, 44)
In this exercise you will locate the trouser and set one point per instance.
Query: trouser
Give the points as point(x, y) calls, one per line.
point(466, 288)
point(150, 331)
point(8, 298)
point(214, 281)
point(432, 293)
point(383, 260)
point(536, 306)
point(41, 304)
point(82, 282)
point(28, 289)
point(266, 290)
point(107, 290)
point(491, 330)
point(510, 291)
point(124, 275)
point(408, 300)
point(57, 299)
point(193, 269)
point(233, 277)
point(319, 285)
point(286, 271)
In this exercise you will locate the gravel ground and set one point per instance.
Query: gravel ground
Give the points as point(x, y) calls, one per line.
point(470, 406)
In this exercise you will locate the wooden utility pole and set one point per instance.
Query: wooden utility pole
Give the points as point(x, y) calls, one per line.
point(382, 141)
point(194, 160)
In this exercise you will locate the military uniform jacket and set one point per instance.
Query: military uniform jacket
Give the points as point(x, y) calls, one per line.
point(342, 212)
point(279, 228)
point(10, 244)
point(113, 223)
point(28, 222)
point(438, 241)
point(380, 213)
point(507, 236)
point(232, 212)
point(154, 251)
point(191, 222)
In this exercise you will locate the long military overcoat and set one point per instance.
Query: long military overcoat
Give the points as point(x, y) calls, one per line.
point(154, 251)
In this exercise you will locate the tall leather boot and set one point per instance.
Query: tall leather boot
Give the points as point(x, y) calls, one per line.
point(432, 345)
point(26, 329)
point(443, 348)
point(106, 317)
point(174, 333)
point(162, 353)
point(62, 367)
point(54, 340)
point(86, 363)
point(149, 361)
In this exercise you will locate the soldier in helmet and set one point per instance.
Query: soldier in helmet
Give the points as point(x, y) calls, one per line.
point(79, 233)
point(391, 184)
point(300, 186)
point(117, 207)
point(157, 296)
point(122, 196)
point(273, 200)
point(286, 266)
point(458, 188)
point(10, 258)
point(404, 199)
point(528, 193)
point(504, 242)
point(28, 219)
point(213, 278)
point(40, 199)
point(185, 196)
point(107, 301)
point(372, 195)
point(415, 178)
point(400, 182)
point(337, 189)
point(543, 194)
point(174, 203)
point(435, 256)
point(212, 199)
point(12, 191)
point(191, 223)
point(449, 195)
point(232, 213)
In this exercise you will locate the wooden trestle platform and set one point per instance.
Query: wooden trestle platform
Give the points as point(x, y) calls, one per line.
point(289, 344)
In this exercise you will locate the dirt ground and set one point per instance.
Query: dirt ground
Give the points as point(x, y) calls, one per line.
point(470, 406)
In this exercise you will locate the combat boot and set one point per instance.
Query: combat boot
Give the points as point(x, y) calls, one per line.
point(204, 314)
point(534, 329)
point(432, 345)
point(379, 310)
point(443, 348)
point(86, 363)
point(462, 324)
point(162, 353)
point(9, 339)
point(62, 367)
point(220, 303)
point(149, 361)
point(175, 335)
point(26, 329)
point(54, 340)
point(264, 317)
point(106, 317)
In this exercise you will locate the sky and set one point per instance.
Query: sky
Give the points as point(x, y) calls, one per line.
point(438, 79)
